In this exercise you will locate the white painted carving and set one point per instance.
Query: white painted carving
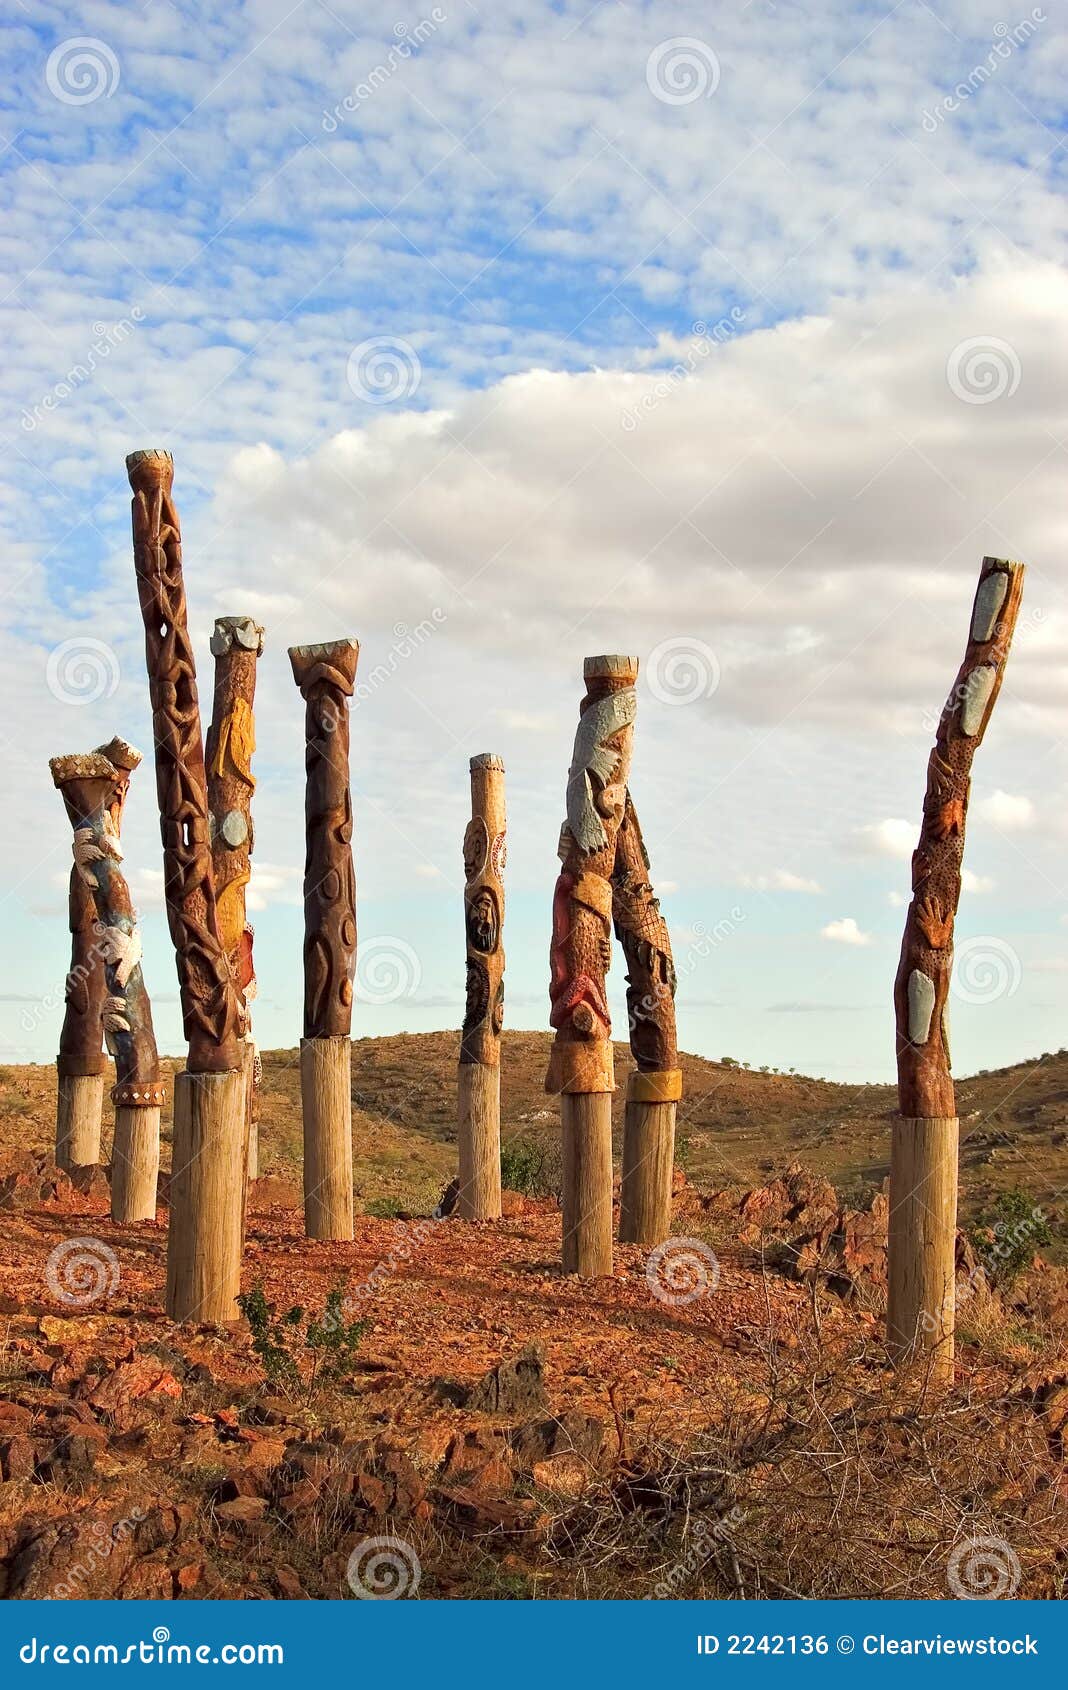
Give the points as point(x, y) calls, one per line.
point(993, 591)
point(592, 756)
point(921, 1006)
point(122, 950)
point(975, 696)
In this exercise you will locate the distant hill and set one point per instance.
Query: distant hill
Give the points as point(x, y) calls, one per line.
point(735, 1127)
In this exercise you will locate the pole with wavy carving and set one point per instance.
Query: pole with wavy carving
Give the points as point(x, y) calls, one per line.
point(326, 676)
point(923, 1156)
point(204, 1237)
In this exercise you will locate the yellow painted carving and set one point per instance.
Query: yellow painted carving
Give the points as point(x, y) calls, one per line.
point(230, 904)
point(237, 742)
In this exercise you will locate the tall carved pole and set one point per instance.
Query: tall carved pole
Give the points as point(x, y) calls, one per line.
point(204, 1238)
point(235, 645)
point(923, 1155)
point(326, 675)
point(93, 788)
point(80, 1064)
point(580, 1066)
point(479, 1074)
point(654, 1089)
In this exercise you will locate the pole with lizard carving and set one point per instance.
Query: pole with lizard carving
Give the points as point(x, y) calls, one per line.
point(204, 1237)
point(80, 1064)
point(93, 787)
point(923, 1156)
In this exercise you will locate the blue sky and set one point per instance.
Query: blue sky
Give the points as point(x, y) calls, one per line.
point(498, 335)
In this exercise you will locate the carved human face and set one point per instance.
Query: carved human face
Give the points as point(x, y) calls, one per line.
point(483, 923)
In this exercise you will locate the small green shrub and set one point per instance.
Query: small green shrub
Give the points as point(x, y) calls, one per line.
point(1007, 1234)
point(522, 1166)
point(327, 1344)
point(384, 1208)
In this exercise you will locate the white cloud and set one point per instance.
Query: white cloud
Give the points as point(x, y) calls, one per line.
point(1010, 813)
point(845, 931)
point(894, 837)
point(972, 882)
point(274, 883)
point(780, 880)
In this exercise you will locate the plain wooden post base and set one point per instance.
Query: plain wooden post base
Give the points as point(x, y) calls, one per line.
point(134, 1164)
point(78, 1111)
point(253, 1158)
point(204, 1236)
point(647, 1172)
point(922, 1244)
point(478, 1089)
point(586, 1119)
point(326, 1100)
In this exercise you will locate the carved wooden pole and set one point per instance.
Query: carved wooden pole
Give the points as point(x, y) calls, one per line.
point(326, 675)
point(580, 1066)
point(923, 1155)
point(235, 645)
point(654, 1090)
point(479, 1075)
point(204, 1238)
point(80, 1064)
point(93, 788)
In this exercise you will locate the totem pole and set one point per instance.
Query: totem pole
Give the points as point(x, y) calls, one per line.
point(80, 1064)
point(204, 1238)
point(923, 1156)
point(326, 675)
point(93, 787)
point(580, 1065)
point(655, 1087)
point(479, 1074)
point(235, 645)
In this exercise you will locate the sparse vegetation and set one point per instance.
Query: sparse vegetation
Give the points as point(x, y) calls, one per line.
point(522, 1166)
point(300, 1352)
point(1007, 1234)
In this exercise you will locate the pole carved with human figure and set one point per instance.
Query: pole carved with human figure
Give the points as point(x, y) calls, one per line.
point(580, 1063)
point(655, 1086)
point(479, 1072)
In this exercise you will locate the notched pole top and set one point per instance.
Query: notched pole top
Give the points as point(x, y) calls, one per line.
point(333, 661)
